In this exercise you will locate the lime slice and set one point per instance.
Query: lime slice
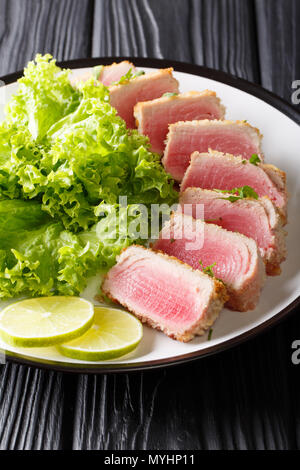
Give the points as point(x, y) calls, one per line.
point(113, 334)
point(45, 321)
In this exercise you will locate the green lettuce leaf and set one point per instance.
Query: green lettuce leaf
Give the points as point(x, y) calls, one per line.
point(38, 257)
point(19, 163)
point(28, 241)
point(86, 157)
point(96, 249)
point(17, 215)
point(97, 159)
point(65, 159)
point(38, 104)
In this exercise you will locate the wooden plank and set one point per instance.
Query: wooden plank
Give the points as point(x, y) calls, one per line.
point(36, 408)
point(216, 33)
point(278, 44)
point(222, 36)
point(279, 55)
point(31, 26)
point(135, 28)
point(237, 400)
point(30, 408)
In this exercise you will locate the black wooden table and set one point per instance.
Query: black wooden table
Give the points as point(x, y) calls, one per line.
point(245, 398)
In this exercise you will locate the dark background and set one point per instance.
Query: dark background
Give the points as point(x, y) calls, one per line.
point(245, 398)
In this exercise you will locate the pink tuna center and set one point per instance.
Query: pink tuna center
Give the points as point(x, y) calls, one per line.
point(159, 294)
point(232, 260)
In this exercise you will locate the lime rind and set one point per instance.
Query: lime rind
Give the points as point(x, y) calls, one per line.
point(16, 340)
point(94, 356)
point(82, 348)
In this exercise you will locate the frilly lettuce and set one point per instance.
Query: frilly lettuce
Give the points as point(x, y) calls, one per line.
point(45, 95)
point(39, 257)
point(64, 155)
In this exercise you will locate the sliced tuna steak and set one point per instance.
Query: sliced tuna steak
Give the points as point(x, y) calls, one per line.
point(215, 170)
point(165, 293)
point(153, 117)
point(112, 73)
point(108, 74)
point(257, 219)
point(238, 262)
point(146, 87)
point(184, 138)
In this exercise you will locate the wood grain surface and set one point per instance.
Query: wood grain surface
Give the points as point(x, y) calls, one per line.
point(245, 398)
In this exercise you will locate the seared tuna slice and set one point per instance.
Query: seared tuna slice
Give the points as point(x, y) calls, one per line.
point(108, 74)
point(214, 170)
point(165, 293)
point(184, 138)
point(233, 257)
point(112, 73)
point(257, 219)
point(153, 117)
point(146, 87)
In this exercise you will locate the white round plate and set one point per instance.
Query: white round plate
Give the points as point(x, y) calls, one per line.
point(279, 123)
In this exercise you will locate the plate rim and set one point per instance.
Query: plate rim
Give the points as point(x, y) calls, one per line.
point(217, 75)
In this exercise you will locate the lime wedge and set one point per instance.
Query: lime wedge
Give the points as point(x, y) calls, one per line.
point(45, 321)
point(113, 334)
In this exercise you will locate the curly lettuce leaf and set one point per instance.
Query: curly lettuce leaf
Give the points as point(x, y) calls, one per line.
point(96, 249)
point(95, 155)
point(19, 163)
point(30, 259)
point(86, 157)
point(44, 96)
point(17, 215)
point(38, 257)
point(29, 266)
point(28, 241)
point(65, 159)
